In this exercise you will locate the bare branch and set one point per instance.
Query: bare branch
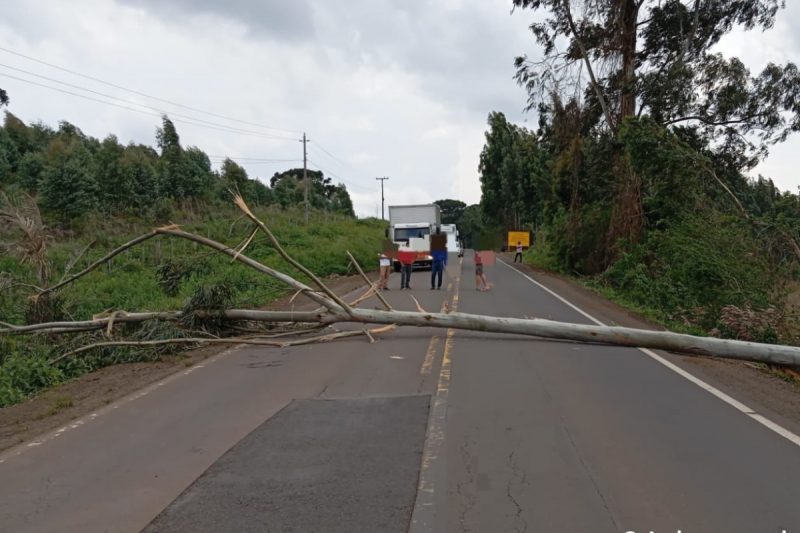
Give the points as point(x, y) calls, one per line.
point(372, 285)
point(172, 316)
point(232, 340)
point(100, 261)
point(188, 340)
point(419, 307)
point(246, 244)
point(596, 86)
point(241, 204)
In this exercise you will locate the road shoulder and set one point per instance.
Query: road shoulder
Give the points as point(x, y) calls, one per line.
point(775, 398)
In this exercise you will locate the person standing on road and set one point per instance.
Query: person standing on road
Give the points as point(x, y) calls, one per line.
point(385, 265)
point(407, 260)
point(480, 278)
point(437, 268)
point(438, 262)
point(519, 252)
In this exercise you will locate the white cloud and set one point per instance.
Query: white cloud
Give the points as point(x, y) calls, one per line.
point(394, 88)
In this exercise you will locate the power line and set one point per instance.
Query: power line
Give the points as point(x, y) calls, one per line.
point(185, 119)
point(227, 129)
point(116, 86)
point(244, 158)
point(160, 111)
point(249, 163)
point(255, 160)
point(337, 177)
point(331, 155)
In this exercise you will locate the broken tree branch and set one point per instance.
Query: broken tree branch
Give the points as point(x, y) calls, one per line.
point(371, 284)
point(174, 231)
point(241, 204)
point(104, 259)
point(173, 316)
point(231, 340)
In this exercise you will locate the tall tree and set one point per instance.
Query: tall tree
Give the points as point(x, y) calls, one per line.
point(510, 174)
point(114, 188)
point(172, 172)
point(655, 56)
point(138, 169)
point(233, 174)
point(9, 157)
point(470, 224)
point(68, 187)
point(451, 210)
point(31, 168)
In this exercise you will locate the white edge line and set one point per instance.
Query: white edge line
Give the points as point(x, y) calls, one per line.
point(736, 404)
point(42, 438)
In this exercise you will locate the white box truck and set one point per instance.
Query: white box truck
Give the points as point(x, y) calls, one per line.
point(411, 226)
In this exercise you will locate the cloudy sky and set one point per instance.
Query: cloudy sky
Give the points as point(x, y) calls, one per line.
point(397, 88)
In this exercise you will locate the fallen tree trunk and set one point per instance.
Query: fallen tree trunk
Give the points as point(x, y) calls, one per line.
point(335, 310)
point(535, 327)
point(613, 335)
point(173, 316)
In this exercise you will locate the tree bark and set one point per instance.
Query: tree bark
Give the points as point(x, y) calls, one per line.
point(627, 218)
point(629, 13)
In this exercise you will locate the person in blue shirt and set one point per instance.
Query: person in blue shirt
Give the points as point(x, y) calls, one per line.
point(437, 265)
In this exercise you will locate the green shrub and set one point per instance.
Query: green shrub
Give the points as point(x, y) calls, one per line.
point(694, 269)
point(24, 370)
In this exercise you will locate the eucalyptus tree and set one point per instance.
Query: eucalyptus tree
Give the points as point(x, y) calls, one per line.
point(625, 58)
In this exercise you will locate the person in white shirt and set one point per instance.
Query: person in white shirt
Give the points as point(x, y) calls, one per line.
point(519, 252)
point(385, 265)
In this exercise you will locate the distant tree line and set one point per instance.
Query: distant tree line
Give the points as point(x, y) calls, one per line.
point(72, 174)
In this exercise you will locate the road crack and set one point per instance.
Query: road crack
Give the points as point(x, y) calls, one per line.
point(517, 473)
point(584, 466)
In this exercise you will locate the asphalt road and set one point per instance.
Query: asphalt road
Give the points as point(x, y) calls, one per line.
point(522, 435)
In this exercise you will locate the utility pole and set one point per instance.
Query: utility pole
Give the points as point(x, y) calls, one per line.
point(305, 175)
point(382, 180)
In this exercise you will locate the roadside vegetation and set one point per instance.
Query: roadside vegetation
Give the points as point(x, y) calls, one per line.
point(636, 179)
point(59, 213)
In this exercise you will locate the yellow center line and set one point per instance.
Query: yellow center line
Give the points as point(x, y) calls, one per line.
point(444, 374)
point(430, 354)
point(424, 515)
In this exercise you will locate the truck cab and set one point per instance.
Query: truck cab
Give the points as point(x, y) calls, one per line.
point(411, 227)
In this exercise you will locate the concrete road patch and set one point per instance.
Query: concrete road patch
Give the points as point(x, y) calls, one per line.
point(318, 465)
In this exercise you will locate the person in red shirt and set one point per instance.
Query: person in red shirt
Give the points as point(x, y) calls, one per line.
point(480, 278)
point(407, 260)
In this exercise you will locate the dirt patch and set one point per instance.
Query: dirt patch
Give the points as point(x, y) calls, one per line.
point(770, 393)
point(55, 407)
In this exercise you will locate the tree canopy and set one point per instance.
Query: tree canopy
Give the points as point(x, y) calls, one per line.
point(73, 174)
point(451, 210)
point(288, 189)
point(622, 59)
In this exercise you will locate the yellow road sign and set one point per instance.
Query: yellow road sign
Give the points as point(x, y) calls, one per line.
point(523, 237)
